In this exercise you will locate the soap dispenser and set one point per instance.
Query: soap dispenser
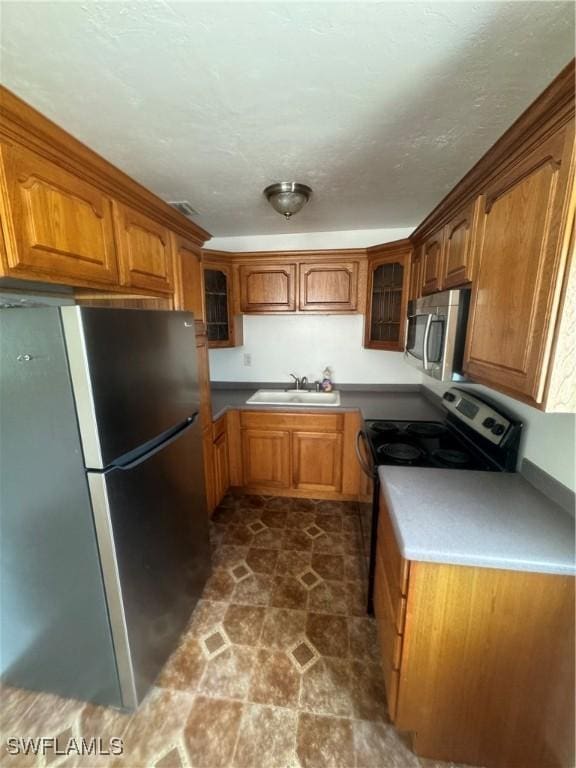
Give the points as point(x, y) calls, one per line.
point(327, 385)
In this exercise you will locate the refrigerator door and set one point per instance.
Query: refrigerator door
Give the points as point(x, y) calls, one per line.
point(152, 526)
point(134, 376)
point(54, 629)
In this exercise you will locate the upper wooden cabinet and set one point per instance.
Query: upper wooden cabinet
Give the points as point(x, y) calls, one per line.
point(387, 296)
point(56, 227)
point(521, 256)
point(67, 216)
point(189, 284)
point(269, 287)
point(457, 266)
point(145, 247)
point(301, 281)
point(224, 326)
point(415, 290)
point(431, 255)
point(331, 287)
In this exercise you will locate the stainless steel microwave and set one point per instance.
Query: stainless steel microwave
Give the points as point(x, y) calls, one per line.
point(436, 333)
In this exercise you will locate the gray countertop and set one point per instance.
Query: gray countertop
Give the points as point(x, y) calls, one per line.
point(373, 403)
point(464, 517)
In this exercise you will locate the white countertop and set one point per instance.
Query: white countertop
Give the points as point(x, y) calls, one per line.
point(486, 519)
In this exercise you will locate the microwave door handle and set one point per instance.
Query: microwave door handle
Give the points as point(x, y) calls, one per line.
point(425, 343)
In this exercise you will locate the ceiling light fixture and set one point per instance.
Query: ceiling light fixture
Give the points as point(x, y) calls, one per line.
point(287, 197)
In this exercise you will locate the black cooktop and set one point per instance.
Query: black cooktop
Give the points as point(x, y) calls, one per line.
point(423, 444)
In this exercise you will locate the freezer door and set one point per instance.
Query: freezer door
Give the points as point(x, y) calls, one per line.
point(152, 526)
point(134, 376)
point(54, 629)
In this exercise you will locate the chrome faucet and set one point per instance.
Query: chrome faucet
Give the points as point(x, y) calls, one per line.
point(299, 383)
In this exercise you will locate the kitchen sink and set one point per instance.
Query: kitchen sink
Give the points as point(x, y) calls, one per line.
point(294, 397)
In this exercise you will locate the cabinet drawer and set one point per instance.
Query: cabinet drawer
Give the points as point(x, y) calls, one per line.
point(390, 639)
point(307, 422)
point(396, 567)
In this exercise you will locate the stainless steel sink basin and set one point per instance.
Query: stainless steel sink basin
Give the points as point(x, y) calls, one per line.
point(294, 397)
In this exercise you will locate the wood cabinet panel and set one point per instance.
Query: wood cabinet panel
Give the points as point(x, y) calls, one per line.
point(317, 461)
point(330, 287)
point(308, 422)
point(145, 248)
point(487, 666)
point(57, 227)
point(457, 267)
point(432, 255)
point(519, 262)
point(397, 568)
point(267, 288)
point(209, 475)
point(390, 638)
point(203, 364)
point(188, 278)
point(387, 299)
point(221, 466)
point(266, 458)
point(415, 290)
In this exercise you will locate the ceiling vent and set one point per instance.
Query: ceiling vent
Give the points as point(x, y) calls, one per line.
point(184, 207)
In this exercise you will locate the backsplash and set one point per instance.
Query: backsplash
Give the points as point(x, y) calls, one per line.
point(548, 439)
point(305, 345)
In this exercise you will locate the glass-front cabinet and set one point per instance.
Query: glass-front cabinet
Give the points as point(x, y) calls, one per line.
point(222, 328)
point(387, 297)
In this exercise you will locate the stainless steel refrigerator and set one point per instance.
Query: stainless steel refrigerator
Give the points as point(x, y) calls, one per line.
point(103, 520)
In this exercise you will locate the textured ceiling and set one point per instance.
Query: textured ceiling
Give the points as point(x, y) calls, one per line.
point(380, 107)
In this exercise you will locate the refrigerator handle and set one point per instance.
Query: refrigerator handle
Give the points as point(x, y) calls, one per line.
point(168, 438)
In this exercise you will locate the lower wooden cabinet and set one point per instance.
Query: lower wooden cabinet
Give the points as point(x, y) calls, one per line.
point(266, 458)
point(317, 461)
point(298, 454)
point(220, 460)
point(478, 663)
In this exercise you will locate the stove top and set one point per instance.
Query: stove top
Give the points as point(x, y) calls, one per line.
point(473, 436)
point(422, 444)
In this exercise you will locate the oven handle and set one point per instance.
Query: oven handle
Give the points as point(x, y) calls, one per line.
point(365, 468)
point(425, 342)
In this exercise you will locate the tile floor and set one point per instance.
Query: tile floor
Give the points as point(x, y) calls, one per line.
point(278, 667)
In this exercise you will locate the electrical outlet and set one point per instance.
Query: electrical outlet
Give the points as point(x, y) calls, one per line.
point(247, 359)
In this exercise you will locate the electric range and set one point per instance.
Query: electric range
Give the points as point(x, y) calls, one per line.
point(473, 435)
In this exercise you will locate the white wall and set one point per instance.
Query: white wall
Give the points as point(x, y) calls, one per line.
point(304, 345)
point(303, 241)
point(549, 439)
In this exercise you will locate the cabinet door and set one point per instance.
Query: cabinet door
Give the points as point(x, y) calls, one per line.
point(188, 277)
point(221, 467)
point(203, 365)
point(457, 262)
point(267, 288)
point(329, 287)
point(432, 264)
point(388, 282)
point(415, 277)
point(317, 461)
point(58, 228)
point(519, 271)
point(209, 473)
point(266, 458)
point(146, 259)
point(217, 292)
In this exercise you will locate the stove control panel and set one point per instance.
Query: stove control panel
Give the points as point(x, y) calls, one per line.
point(477, 414)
